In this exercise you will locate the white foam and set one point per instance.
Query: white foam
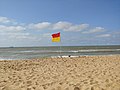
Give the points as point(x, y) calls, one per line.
point(5, 59)
point(63, 56)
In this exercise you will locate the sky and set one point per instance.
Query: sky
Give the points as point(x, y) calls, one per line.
point(80, 22)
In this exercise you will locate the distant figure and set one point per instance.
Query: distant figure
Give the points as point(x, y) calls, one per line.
point(69, 55)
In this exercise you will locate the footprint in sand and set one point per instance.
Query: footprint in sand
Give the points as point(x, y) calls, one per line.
point(76, 88)
point(65, 88)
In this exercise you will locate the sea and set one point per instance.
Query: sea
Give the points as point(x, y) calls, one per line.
point(16, 53)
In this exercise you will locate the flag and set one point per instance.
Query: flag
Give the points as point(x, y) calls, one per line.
point(56, 37)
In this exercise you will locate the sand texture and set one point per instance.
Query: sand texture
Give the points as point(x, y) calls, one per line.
point(82, 73)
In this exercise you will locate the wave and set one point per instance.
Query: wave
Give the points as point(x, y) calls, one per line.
point(98, 50)
point(36, 53)
point(88, 50)
point(5, 58)
point(68, 51)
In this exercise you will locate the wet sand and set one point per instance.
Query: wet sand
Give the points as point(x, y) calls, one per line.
point(80, 73)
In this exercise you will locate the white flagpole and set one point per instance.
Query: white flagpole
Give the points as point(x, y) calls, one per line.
point(60, 45)
point(60, 49)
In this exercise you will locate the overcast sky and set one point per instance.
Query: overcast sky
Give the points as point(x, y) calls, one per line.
point(81, 22)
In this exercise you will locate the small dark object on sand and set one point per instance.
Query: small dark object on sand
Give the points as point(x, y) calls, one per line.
point(76, 88)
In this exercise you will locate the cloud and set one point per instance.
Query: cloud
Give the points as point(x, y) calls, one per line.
point(34, 32)
point(40, 26)
point(19, 36)
point(4, 28)
point(104, 35)
point(77, 27)
point(47, 35)
point(5, 20)
point(62, 25)
point(14, 34)
point(23, 37)
point(13, 31)
point(95, 30)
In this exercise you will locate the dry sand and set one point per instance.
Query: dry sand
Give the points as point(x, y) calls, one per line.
point(82, 73)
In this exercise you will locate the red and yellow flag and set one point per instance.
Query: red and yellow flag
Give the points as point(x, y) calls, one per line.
point(56, 37)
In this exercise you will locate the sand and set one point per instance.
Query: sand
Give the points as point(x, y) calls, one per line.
point(77, 73)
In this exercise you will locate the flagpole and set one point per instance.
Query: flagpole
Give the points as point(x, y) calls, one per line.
point(60, 46)
point(60, 49)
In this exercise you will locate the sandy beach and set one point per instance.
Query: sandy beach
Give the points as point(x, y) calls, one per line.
point(77, 73)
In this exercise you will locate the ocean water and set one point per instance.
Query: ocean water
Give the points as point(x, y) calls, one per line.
point(10, 53)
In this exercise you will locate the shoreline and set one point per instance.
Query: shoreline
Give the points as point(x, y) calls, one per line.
point(62, 56)
point(74, 73)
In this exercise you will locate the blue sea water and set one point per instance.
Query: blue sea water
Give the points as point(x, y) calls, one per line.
point(10, 53)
